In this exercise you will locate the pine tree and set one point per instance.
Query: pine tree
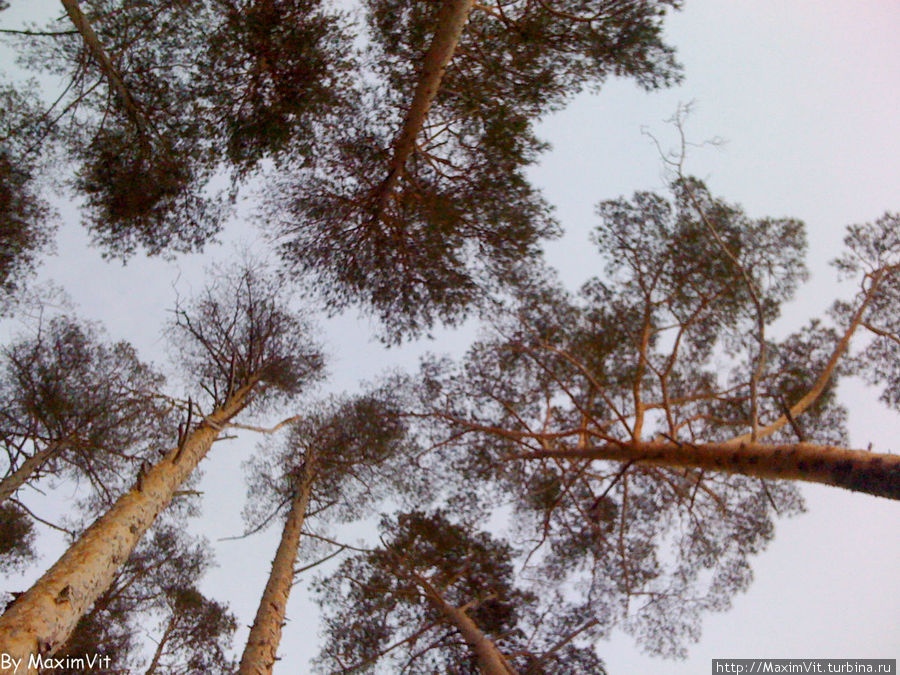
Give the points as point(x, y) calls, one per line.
point(245, 349)
point(16, 537)
point(194, 637)
point(419, 203)
point(636, 456)
point(405, 186)
point(635, 428)
point(160, 98)
point(688, 284)
point(26, 222)
point(440, 597)
point(77, 405)
point(334, 462)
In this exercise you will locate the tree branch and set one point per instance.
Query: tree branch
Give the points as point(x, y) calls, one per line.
point(857, 470)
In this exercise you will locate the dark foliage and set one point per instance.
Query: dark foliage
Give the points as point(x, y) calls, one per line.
point(422, 238)
point(381, 617)
point(144, 192)
point(430, 250)
point(16, 538)
point(541, 53)
point(239, 332)
point(183, 90)
point(271, 70)
point(92, 404)
point(25, 218)
point(131, 121)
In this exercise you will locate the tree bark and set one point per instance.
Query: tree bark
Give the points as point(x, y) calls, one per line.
point(452, 18)
point(18, 477)
point(42, 618)
point(858, 470)
point(491, 660)
point(95, 48)
point(265, 634)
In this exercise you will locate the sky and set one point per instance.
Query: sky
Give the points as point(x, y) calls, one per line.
point(805, 96)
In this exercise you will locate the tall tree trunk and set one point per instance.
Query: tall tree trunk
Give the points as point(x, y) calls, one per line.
point(451, 20)
point(96, 50)
point(858, 470)
point(491, 660)
point(265, 634)
point(42, 619)
point(18, 477)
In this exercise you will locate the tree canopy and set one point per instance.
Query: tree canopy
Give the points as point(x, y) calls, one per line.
point(426, 190)
point(25, 217)
point(77, 405)
point(600, 460)
point(417, 603)
point(420, 202)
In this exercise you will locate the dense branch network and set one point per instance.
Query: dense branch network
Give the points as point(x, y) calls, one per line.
point(612, 421)
point(634, 429)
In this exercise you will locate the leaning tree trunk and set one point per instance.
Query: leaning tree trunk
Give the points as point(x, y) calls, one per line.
point(42, 619)
point(160, 646)
point(265, 634)
point(491, 660)
point(18, 477)
point(451, 20)
point(95, 48)
point(858, 470)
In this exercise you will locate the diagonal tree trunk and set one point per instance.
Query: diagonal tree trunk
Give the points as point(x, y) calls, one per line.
point(858, 470)
point(491, 660)
point(452, 18)
point(265, 634)
point(18, 477)
point(96, 50)
point(42, 619)
point(160, 646)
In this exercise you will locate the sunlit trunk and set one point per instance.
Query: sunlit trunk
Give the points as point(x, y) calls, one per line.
point(41, 620)
point(265, 634)
point(858, 470)
point(452, 18)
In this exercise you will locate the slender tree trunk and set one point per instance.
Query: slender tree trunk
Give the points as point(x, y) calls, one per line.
point(452, 18)
point(858, 470)
point(18, 477)
point(42, 619)
point(265, 634)
point(491, 660)
point(824, 378)
point(157, 655)
point(95, 48)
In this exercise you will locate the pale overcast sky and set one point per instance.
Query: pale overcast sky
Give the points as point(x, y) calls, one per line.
point(806, 94)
